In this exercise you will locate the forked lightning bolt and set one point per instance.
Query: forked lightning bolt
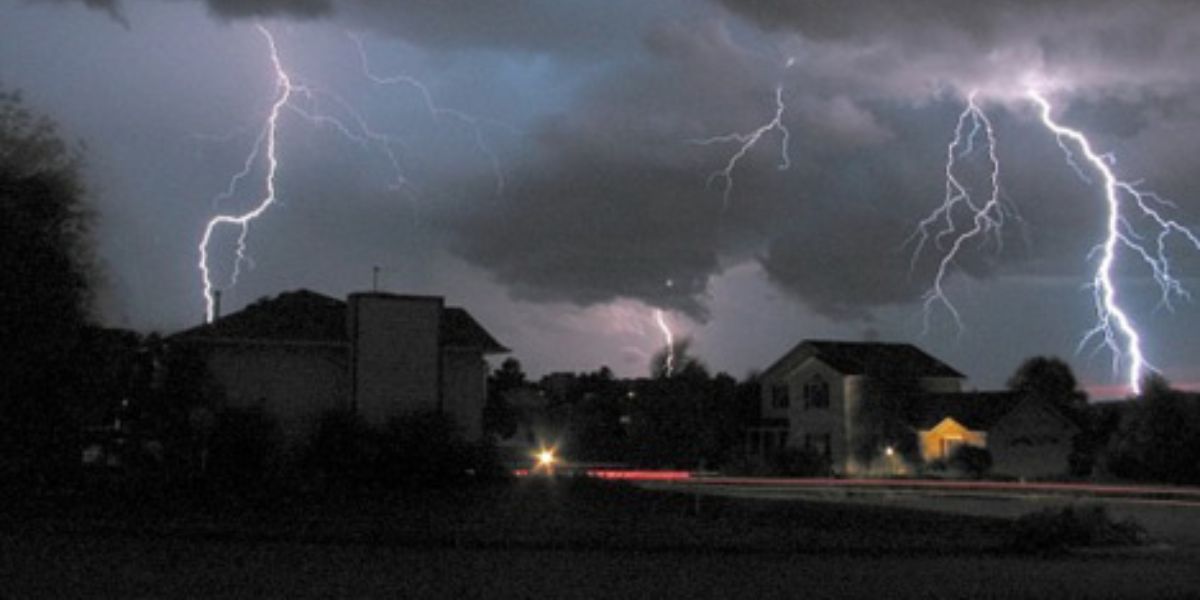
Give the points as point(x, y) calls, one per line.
point(745, 142)
point(1125, 204)
point(304, 101)
point(669, 338)
point(472, 122)
point(986, 215)
point(269, 137)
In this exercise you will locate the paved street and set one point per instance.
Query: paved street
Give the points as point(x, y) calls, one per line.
point(1170, 514)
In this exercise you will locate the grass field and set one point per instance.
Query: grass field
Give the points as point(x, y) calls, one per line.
point(549, 540)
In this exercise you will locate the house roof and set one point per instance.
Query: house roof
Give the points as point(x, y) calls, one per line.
point(872, 358)
point(307, 316)
point(301, 315)
point(460, 330)
point(975, 410)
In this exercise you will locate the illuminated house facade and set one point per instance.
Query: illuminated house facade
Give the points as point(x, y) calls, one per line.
point(302, 353)
point(884, 408)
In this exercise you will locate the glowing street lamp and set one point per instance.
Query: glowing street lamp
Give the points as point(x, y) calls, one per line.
point(545, 459)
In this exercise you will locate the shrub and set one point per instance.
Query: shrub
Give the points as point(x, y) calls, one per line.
point(341, 451)
point(423, 449)
point(243, 449)
point(1052, 530)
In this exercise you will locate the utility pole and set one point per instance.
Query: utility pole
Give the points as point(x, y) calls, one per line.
point(375, 278)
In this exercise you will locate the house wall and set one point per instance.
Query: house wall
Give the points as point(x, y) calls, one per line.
point(1031, 441)
point(932, 440)
point(294, 382)
point(855, 390)
point(396, 357)
point(464, 376)
point(802, 421)
point(941, 385)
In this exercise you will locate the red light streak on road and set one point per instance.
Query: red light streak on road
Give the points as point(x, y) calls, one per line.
point(618, 474)
point(639, 475)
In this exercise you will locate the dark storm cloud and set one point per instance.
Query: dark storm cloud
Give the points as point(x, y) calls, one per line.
point(614, 202)
point(545, 26)
point(552, 27)
point(265, 8)
point(607, 197)
point(909, 47)
point(231, 9)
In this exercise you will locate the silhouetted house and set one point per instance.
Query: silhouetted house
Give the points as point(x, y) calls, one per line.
point(382, 355)
point(859, 402)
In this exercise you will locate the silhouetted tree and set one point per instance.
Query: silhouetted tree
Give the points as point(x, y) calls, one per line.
point(595, 431)
point(499, 417)
point(1052, 380)
point(1159, 437)
point(423, 449)
point(687, 418)
point(45, 284)
point(683, 362)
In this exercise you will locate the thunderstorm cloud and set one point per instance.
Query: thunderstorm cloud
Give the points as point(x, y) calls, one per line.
point(593, 115)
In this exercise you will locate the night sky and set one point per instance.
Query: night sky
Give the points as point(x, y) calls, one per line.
point(560, 195)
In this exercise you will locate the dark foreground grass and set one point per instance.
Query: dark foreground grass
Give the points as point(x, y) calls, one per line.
point(530, 514)
point(544, 539)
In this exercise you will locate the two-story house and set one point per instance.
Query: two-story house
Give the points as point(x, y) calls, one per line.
point(860, 403)
point(812, 396)
point(382, 355)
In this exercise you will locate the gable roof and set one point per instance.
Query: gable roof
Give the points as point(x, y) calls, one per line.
point(301, 315)
point(871, 358)
point(975, 410)
point(460, 330)
point(306, 316)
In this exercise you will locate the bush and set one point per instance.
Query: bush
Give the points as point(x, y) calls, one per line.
point(424, 449)
point(1157, 439)
point(1052, 530)
point(243, 449)
point(342, 450)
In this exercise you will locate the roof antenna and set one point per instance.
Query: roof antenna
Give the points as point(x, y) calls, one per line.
point(375, 278)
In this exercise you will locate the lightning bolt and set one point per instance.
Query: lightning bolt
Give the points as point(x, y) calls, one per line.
point(1125, 204)
point(306, 102)
point(269, 139)
point(669, 337)
point(747, 141)
point(439, 113)
point(986, 215)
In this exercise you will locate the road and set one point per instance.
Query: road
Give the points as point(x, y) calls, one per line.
point(1170, 514)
